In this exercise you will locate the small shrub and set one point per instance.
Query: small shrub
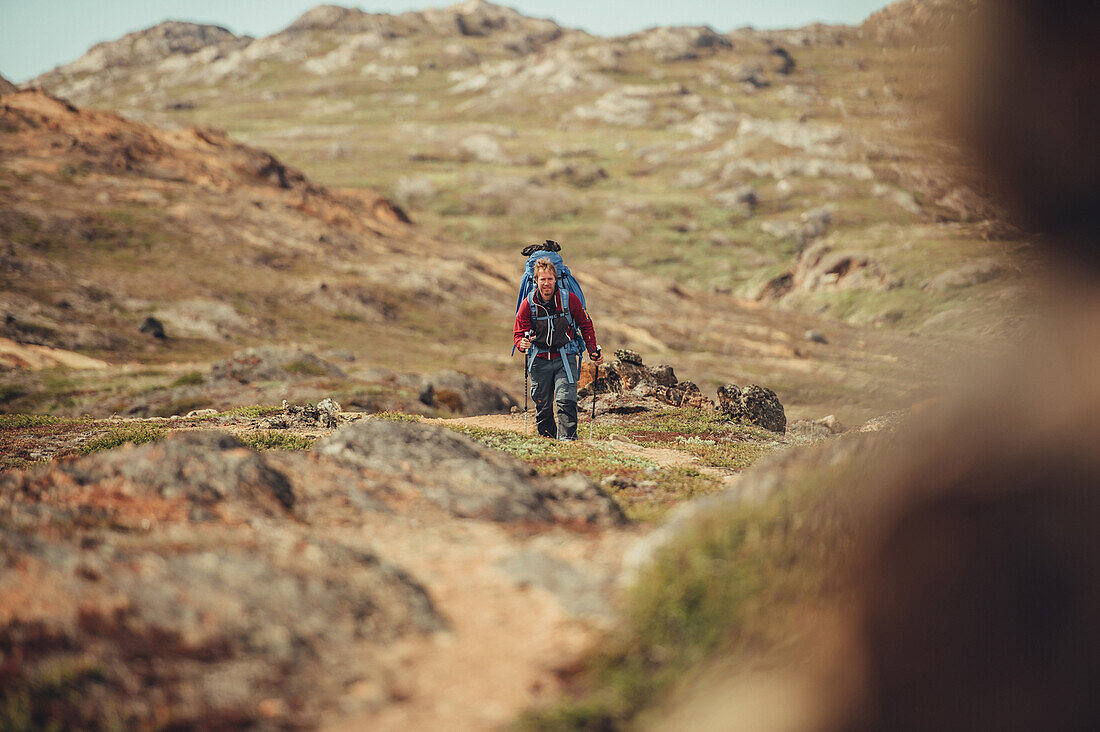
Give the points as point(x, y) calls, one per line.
point(398, 417)
point(273, 440)
point(253, 410)
point(136, 434)
point(20, 421)
point(191, 378)
point(16, 463)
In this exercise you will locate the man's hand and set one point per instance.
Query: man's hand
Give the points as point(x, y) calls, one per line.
point(524, 344)
point(597, 357)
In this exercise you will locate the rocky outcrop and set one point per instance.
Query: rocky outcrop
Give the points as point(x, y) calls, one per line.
point(465, 479)
point(6, 86)
point(152, 327)
point(146, 48)
point(148, 561)
point(678, 43)
point(752, 404)
point(812, 431)
point(198, 477)
point(272, 363)
point(470, 18)
point(631, 387)
point(326, 414)
point(822, 267)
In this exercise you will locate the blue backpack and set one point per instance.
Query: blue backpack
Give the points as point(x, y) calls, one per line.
point(567, 283)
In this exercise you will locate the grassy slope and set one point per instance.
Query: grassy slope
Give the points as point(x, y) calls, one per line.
point(884, 98)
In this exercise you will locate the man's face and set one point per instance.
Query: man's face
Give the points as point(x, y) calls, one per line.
point(546, 281)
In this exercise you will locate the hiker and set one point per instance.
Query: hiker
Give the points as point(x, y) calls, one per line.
point(553, 365)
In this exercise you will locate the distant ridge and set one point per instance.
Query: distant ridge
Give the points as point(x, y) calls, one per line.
point(470, 18)
point(149, 46)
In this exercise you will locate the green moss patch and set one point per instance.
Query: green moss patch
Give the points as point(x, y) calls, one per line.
point(137, 434)
point(274, 440)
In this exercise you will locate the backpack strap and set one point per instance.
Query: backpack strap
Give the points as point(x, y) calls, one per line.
point(533, 350)
point(565, 363)
point(564, 293)
point(577, 335)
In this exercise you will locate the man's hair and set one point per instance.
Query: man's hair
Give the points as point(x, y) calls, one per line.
point(545, 263)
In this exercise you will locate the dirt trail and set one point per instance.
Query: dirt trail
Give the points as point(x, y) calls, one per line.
point(662, 456)
point(507, 634)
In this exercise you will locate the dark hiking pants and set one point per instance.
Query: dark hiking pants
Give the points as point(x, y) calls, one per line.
point(550, 388)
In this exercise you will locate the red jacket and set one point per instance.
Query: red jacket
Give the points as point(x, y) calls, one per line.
point(576, 312)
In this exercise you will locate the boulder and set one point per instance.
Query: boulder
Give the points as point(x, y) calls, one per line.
point(464, 394)
point(784, 61)
point(753, 404)
point(815, 430)
point(191, 629)
point(272, 363)
point(464, 478)
point(152, 327)
point(628, 357)
point(190, 475)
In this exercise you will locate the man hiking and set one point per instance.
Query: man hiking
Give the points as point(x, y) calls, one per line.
point(543, 322)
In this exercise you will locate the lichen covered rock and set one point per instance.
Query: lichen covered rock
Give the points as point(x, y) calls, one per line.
point(753, 404)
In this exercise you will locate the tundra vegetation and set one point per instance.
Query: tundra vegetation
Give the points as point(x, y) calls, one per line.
point(198, 227)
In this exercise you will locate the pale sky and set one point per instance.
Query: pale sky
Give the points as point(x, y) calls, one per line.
point(37, 35)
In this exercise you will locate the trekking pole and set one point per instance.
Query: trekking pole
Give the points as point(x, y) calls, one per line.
point(592, 422)
point(526, 373)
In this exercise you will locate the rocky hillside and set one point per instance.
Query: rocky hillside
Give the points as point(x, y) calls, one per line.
point(180, 249)
point(194, 582)
point(803, 168)
point(917, 21)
